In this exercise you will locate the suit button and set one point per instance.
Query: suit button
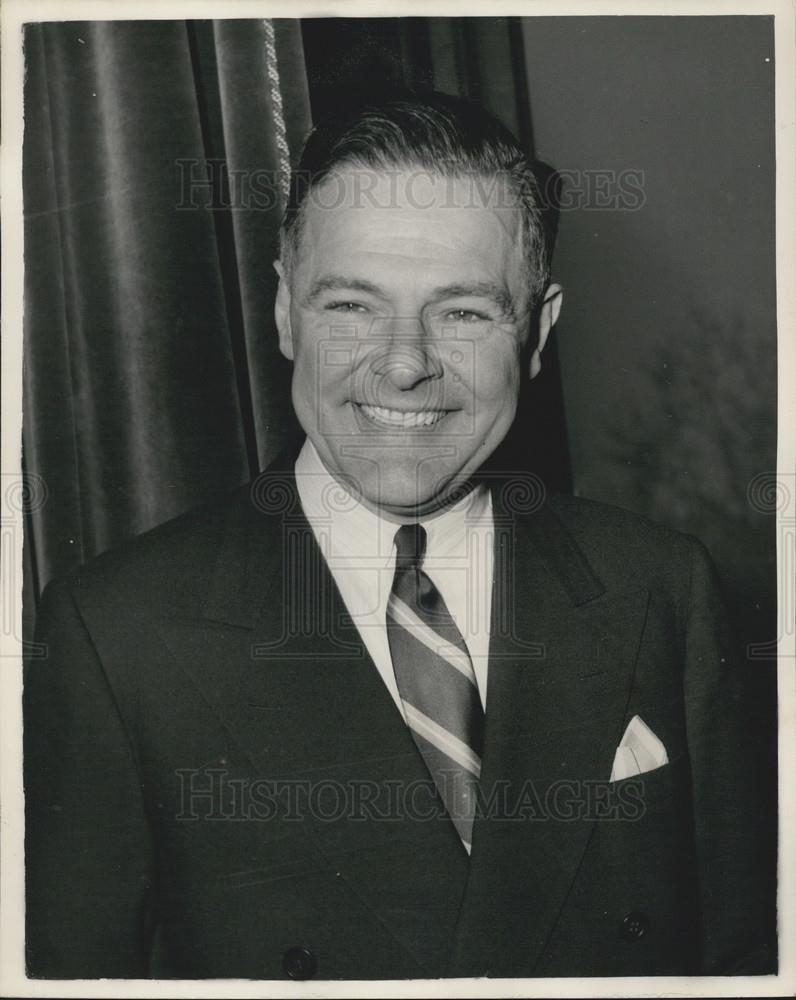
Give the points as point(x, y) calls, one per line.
point(299, 963)
point(634, 926)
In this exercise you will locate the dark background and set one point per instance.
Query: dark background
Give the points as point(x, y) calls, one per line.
point(153, 380)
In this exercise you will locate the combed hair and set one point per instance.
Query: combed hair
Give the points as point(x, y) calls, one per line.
point(444, 135)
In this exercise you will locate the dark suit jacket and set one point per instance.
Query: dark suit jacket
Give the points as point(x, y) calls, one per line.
point(214, 656)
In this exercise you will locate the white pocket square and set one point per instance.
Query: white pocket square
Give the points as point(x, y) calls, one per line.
point(639, 751)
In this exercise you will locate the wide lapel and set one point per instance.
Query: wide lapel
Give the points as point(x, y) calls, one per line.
point(562, 655)
point(281, 661)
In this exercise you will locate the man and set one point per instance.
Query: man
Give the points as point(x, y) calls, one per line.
point(389, 712)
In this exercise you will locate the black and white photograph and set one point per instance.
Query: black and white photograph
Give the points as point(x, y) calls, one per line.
point(400, 549)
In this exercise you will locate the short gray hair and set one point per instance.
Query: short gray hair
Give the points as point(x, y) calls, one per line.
point(444, 136)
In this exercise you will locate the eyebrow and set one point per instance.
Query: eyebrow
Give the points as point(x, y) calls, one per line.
point(341, 283)
point(492, 290)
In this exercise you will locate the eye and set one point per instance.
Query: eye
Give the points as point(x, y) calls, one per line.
point(347, 307)
point(466, 316)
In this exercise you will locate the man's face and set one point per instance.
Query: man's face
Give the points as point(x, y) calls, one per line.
point(405, 314)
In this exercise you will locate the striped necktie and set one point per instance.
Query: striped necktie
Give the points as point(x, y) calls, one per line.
point(436, 681)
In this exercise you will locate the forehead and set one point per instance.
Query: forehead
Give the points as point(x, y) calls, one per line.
point(413, 218)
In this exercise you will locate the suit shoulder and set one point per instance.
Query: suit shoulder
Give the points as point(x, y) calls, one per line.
point(582, 513)
point(164, 564)
point(617, 538)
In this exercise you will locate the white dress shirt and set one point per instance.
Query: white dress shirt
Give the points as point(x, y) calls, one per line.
point(359, 548)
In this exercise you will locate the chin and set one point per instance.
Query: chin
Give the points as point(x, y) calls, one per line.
point(426, 498)
point(393, 500)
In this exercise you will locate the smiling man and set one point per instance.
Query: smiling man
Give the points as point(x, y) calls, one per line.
point(426, 282)
point(391, 711)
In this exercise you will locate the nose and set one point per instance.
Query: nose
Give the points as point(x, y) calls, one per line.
point(406, 358)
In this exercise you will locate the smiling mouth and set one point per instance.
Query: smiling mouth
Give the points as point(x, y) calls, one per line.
point(401, 419)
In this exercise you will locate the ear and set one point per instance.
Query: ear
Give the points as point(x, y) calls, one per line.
point(282, 312)
point(548, 315)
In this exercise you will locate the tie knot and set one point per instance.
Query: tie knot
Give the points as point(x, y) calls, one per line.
point(410, 543)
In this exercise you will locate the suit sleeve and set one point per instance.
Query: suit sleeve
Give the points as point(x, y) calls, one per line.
point(736, 853)
point(87, 855)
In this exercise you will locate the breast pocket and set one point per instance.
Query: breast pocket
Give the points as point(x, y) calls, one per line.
point(641, 792)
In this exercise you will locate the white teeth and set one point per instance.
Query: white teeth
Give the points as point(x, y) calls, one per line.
point(401, 418)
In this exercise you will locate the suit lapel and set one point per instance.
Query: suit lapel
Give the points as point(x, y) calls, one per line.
point(559, 681)
point(279, 658)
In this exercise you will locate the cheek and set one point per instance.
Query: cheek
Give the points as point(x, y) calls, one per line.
point(321, 372)
point(497, 376)
point(311, 343)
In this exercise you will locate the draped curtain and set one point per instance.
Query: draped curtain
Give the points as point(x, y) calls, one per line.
point(154, 158)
